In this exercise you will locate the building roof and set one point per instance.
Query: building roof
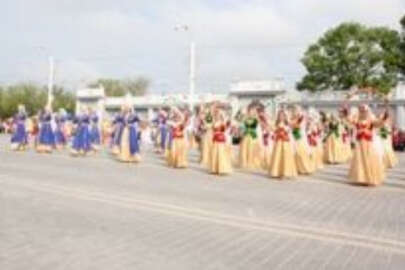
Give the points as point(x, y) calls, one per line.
point(154, 100)
point(90, 92)
point(268, 87)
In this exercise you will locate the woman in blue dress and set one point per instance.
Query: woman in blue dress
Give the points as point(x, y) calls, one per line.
point(129, 139)
point(19, 139)
point(46, 137)
point(60, 134)
point(118, 127)
point(94, 131)
point(163, 131)
point(81, 144)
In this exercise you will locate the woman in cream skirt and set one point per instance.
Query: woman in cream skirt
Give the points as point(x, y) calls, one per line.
point(282, 162)
point(250, 150)
point(385, 133)
point(206, 134)
point(346, 137)
point(366, 166)
point(334, 149)
point(266, 127)
point(177, 152)
point(314, 134)
point(220, 161)
point(305, 164)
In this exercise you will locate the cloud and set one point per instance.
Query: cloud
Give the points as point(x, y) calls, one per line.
point(74, 72)
point(235, 39)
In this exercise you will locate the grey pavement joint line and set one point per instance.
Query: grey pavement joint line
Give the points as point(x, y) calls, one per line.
point(284, 228)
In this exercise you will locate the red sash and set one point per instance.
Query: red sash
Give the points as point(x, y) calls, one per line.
point(219, 135)
point(178, 132)
point(363, 135)
point(312, 139)
point(364, 132)
point(282, 135)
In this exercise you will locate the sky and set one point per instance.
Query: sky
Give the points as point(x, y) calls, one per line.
point(235, 39)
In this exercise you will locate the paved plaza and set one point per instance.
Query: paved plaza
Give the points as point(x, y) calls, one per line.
point(60, 212)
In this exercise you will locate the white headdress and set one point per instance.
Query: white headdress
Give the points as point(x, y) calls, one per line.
point(21, 108)
point(314, 114)
point(62, 111)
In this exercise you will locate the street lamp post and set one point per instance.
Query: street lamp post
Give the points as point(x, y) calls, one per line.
point(51, 73)
point(181, 27)
point(50, 81)
point(192, 75)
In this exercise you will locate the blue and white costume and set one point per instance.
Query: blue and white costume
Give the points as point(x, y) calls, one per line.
point(19, 139)
point(129, 139)
point(46, 137)
point(82, 140)
point(95, 132)
point(118, 127)
point(60, 136)
point(163, 131)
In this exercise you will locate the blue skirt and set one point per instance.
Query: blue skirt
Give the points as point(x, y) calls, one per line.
point(46, 135)
point(163, 136)
point(170, 140)
point(82, 139)
point(133, 140)
point(20, 135)
point(117, 134)
point(60, 138)
point(95, 135)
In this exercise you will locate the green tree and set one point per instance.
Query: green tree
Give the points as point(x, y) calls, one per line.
point(402, 48)
point(352, 55)
point(32, 96)
point(1, 102)
point(63, 99)
point(115, 88)
point(112, 87)
point(137, 87)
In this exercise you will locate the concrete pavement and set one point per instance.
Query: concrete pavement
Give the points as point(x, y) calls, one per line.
point(59, 212)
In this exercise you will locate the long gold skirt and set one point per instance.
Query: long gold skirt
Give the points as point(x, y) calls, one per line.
point(220, 161)
point(346, 151)
point(250, 153)
point(124, 154)
point(267, 150)
point(115, 150)
point(282, 162)
point(176, 156)
point(192, 143)
point(206, 146)
point(42, 148)
point(390, 159)
point(68, 130)
point(317, 157)
point(158, 140)
point(366, 166)
point(18, 147)
point(305, 164)
point(333, 153)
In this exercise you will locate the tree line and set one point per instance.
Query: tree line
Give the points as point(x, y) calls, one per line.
point(353, 55)
point(120, 87)
point(34, 96)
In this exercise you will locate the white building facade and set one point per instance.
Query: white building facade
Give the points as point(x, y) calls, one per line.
point(271, 93)
point(241, 93)
point(332, 100)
